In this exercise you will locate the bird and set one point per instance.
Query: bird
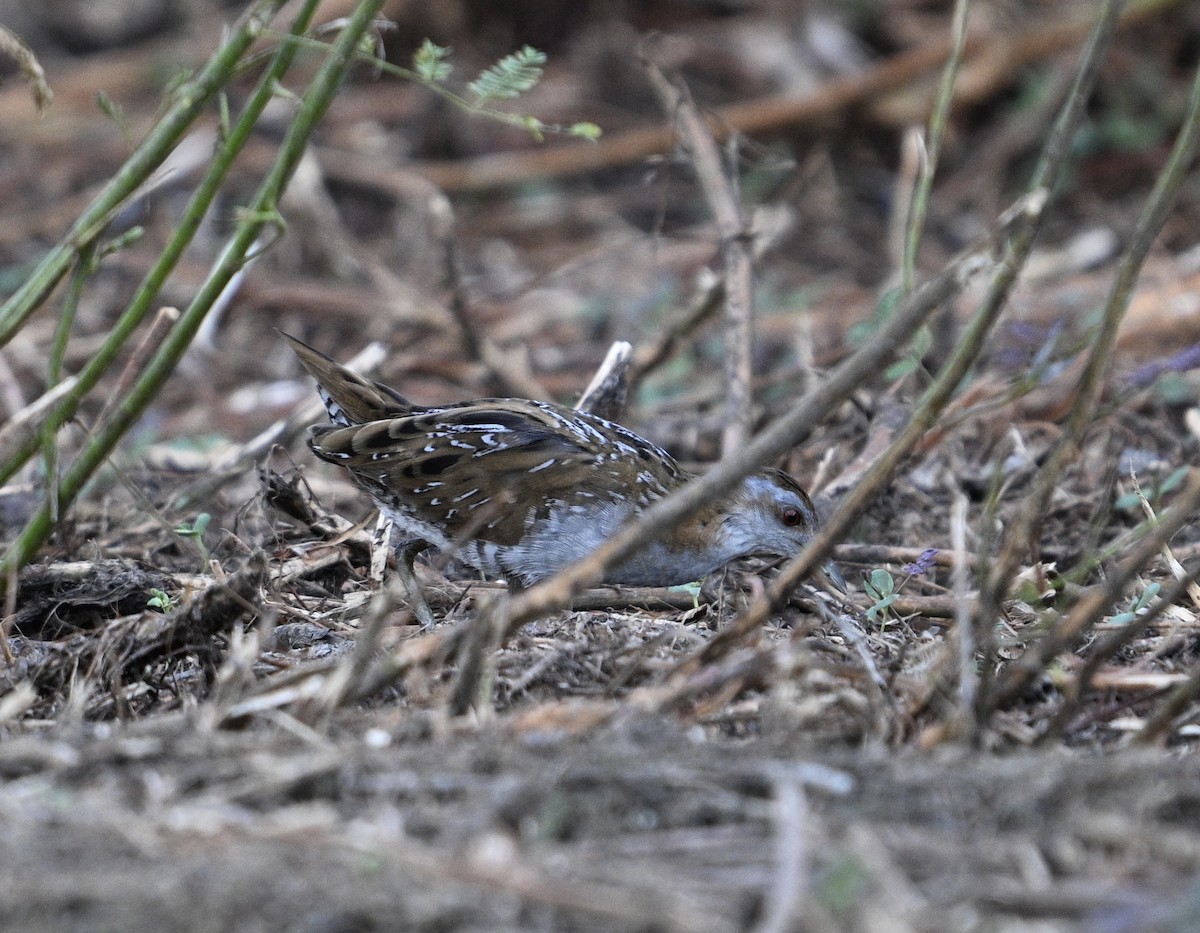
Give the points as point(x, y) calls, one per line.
point(519, 488)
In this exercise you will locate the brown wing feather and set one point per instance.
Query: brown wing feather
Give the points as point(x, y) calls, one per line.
point(481, 469)
point(467, 485)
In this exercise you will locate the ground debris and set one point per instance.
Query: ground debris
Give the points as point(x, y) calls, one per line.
point(132, 655)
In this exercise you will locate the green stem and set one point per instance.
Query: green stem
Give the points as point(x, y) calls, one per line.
point(189, 101)
point(62, 333)
point(313, 105)
point(143, 299)
point(937, 130)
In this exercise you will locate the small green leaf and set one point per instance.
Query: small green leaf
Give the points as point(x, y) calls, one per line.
point(112, 110)
point(842, 886)
point(159, 600)
point(861, 331)
point(533, 126)
point(1173, 481)
point(882, 582)
point(1175, 389)
point(195, 531)
point(881, 608)
point(430, 62)
point(585, 130)
point(1126, 502)
point(692, 589)
point(510, 77)
point(901, 368)
point(1148, 594)
point(922, 341)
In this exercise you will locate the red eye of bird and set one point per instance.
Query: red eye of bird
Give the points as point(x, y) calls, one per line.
point(791, 517)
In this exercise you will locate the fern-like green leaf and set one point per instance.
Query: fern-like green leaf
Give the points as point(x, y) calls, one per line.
point(510, 77)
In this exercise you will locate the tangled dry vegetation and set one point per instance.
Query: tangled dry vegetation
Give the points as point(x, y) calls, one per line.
point(211, 720)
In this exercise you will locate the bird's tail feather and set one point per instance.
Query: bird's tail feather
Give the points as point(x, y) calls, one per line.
point(349, 398)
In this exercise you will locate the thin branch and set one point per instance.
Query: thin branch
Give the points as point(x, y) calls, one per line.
point(719, 184)
point(508, 371)
point(312, 107)
point(964, 632)
point(148, 290)
point(189, 102)
point(1097, 600)
point(1020, 533)
point(788, 889)
point(933, 144)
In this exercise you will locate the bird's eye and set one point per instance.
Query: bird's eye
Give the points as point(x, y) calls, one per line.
point(791, 517)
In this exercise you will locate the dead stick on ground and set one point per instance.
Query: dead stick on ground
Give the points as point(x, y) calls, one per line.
point(964, 631)
point(1176, 702)
point(25, 424)
point(351, 670)
point(893, 554)
point(787, 891)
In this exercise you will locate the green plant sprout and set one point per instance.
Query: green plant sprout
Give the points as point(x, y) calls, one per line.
point(692, 589)
point(1154, 491)
point(510, 77)
point(160, 600)
point(195, 531)
point(507, 79)
point(1137, 604)
point(881, 587)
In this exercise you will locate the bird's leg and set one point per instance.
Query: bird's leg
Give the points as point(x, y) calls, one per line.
point(515, 586)
point(406, 550)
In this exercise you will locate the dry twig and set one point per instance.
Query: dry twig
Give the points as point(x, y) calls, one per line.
point(718, 181)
